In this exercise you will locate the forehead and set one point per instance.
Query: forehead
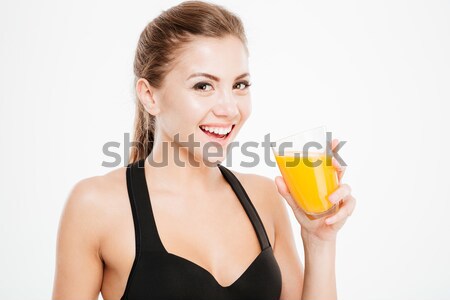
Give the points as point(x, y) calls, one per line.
point(223, 57)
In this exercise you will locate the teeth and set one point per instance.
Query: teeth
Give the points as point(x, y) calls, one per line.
point(217, 130)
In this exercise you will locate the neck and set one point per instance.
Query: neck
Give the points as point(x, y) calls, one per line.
point(171, 166)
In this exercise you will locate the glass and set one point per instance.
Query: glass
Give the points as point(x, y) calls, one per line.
point(305, 163)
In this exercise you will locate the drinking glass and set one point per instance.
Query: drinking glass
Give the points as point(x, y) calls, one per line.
point(304, 160)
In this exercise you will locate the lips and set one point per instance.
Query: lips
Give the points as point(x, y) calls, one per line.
point(217, 133)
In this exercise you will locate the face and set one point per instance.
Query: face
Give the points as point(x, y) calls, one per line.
point(206, 94)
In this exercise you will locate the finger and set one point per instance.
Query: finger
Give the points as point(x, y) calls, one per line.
point(344, 212)
point(339, 169)
point(281, 186)
point(284, 191)
point(340, 193)
point(334, 143)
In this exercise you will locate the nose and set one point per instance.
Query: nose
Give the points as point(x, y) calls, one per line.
point(226, 106)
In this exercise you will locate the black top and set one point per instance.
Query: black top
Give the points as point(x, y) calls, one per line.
point(157, 274)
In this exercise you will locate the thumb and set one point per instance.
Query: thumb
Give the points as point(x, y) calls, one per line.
point(284, 191)
point(281, 186)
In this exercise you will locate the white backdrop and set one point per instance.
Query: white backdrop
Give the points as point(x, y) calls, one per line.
point(376, 73)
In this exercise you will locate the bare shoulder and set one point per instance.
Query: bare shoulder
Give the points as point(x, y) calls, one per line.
point(264, 195)
point(84, 222)
point(96, 191)
point(94, 201)
point(260, 185)
point(264, 188)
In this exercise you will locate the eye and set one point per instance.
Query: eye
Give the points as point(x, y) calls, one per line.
point(246, 83)
point(201, 85)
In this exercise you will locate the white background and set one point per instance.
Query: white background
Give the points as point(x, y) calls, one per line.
point(376, 73)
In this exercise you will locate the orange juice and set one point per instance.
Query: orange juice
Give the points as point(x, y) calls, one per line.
point(309, 185)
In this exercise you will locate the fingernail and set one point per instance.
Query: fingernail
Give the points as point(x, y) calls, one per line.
point(333, 198)
point(329, 220)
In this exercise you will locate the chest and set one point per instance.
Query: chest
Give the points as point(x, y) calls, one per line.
point(214, 236)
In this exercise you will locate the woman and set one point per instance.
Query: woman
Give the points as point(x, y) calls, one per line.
point(191, 232)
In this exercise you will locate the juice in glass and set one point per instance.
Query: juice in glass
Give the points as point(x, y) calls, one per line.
point(307, 174)
point(309, 185)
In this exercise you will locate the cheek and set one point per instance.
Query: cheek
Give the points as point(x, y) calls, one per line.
point(245, 109)
point(182, 114)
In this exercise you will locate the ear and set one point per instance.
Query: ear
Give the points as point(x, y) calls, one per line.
point(146, 95)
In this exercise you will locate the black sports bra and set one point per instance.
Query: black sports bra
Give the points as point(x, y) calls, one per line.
point(157, 274)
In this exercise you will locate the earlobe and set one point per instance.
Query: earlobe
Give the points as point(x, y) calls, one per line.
point(145, 94)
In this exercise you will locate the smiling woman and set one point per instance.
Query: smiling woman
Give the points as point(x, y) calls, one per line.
point(201, 47)
point(186, 231)
point(205, 93)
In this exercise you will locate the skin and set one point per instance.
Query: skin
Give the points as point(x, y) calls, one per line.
point(96, 246)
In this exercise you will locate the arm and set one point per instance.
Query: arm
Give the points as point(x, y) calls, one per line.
point(317, 280)
point(79, 268)
point(320, 278)
point(319, 242)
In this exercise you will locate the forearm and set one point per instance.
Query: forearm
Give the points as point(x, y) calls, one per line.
point(319, 279)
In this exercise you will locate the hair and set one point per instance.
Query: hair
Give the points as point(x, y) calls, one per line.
point(157, 49)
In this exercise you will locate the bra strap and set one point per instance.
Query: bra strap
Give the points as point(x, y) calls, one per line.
point(248, 206)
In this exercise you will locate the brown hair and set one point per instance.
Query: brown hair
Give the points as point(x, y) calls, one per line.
point(158, 45)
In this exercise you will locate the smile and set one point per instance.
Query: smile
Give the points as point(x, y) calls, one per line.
point(218, 133)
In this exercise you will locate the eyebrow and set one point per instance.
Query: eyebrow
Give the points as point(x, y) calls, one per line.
point(215, 77)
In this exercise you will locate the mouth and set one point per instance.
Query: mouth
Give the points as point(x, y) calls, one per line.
point(216, 133)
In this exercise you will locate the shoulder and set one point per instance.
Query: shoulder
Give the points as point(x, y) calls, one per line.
point(93, 202)
point(83, 224)
point(264, 195)
point(95, 191)
point(264, 190)
point(261, 185)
